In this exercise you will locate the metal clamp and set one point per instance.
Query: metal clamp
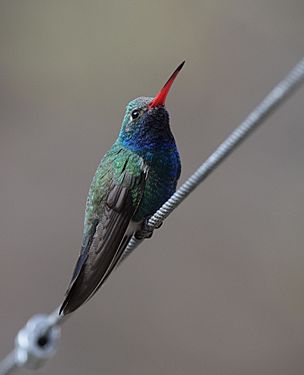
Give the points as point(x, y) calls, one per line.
point(36, 342)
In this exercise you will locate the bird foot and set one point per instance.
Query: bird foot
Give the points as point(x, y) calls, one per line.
point(146, 232)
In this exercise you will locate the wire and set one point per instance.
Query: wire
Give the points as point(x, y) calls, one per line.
point(38, 340)
point(9, 364)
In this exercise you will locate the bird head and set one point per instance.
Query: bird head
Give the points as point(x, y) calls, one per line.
point(146, 121)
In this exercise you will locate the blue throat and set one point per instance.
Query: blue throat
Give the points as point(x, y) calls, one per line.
point(151, 133)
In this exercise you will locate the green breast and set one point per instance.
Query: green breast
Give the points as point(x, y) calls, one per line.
point(164, 171)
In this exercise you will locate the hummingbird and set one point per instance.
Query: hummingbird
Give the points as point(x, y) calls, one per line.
point(133, 180)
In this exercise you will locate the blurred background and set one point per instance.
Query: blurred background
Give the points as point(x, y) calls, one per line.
point(219, 288)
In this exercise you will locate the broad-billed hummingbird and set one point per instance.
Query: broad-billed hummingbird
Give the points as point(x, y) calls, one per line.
point(133, 180)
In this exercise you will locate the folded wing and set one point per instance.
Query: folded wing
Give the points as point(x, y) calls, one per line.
point(105, 241)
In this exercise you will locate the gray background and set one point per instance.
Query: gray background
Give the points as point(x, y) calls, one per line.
point(219, 289)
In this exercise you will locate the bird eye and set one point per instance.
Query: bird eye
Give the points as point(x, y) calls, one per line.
point(135, 114)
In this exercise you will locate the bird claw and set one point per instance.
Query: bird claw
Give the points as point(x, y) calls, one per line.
point(146, 231)
point(144, 234)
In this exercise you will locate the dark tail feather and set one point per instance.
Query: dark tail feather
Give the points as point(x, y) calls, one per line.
point(79, 293)
point(75, 296)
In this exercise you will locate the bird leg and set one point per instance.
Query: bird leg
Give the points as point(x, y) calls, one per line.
point(146, 231)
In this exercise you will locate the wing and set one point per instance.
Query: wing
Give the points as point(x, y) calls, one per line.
point(106, 239)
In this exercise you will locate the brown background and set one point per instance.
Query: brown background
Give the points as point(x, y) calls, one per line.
point(219, 289)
